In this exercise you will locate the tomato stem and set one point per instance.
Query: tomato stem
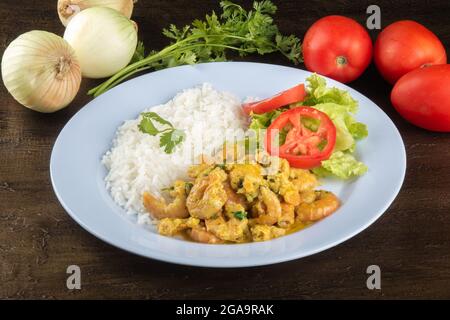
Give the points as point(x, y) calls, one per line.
point(341, 61)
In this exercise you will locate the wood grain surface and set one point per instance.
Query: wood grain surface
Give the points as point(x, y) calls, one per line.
point(38, 240)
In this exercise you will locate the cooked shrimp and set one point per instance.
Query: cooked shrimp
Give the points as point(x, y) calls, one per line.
point(263, 233)
point(170, 227)
point(233, 230)
point(250, 187)
point(290, 193)
point(277, 166)
point(235, 202)
point(269, 207)
point(324, 205)
point(246, 179)
point(207, 196)
point(240, 171)
point(256, 199)
point(303, 179)
point(200, 169)
point(158, 207)
point(308, 196)
point(281, 184)
point(285, 169)
point(287, 215)
point(199, 234)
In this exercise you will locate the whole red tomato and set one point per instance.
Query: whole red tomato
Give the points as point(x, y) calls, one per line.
point(337, 47)
point(404, 46)
point(422, 97)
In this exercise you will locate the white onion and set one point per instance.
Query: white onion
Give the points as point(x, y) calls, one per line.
point(67, 9)
point(40, 71)
point(104, 41)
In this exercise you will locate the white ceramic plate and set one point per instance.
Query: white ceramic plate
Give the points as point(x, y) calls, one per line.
point(77, 173)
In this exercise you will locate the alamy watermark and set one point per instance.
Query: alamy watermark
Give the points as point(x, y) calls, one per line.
point(374, 280)
point(374, 20)
point(74, 280)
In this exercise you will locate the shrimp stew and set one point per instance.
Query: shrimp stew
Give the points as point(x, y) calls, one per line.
point(256, 199)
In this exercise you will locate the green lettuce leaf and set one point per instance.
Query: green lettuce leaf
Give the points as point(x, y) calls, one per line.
point(318, 93)
point(262, 121)
point(347, 128)
point(342, 165)
point(341, 108)
point(358, 130)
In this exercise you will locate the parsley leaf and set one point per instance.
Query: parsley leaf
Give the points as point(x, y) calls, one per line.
point(156, 117)
point(187, 187)
point(170, 139)
point(241, 215)
point(169, 136)
point(146, 125)
point(139, 54)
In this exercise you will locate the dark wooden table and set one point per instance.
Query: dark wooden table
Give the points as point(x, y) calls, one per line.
point(38, 240)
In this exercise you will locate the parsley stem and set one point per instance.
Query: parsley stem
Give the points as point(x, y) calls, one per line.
point(123, 74)
point(235, 30)
point(166, 130)
point(145, 64)
point(96, 91)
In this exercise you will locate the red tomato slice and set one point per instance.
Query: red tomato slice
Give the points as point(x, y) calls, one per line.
point(292, 95)
point(303, 147)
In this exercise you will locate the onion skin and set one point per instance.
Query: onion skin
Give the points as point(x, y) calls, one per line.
point(40, 71)
point(103, 39)
point(67, 9)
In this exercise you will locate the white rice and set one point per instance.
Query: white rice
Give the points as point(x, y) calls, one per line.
point(137, 163)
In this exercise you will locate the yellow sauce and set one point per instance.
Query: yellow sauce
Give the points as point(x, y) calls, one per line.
point(298, 226)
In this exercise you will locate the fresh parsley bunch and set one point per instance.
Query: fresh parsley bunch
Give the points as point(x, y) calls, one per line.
point(235, 30)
